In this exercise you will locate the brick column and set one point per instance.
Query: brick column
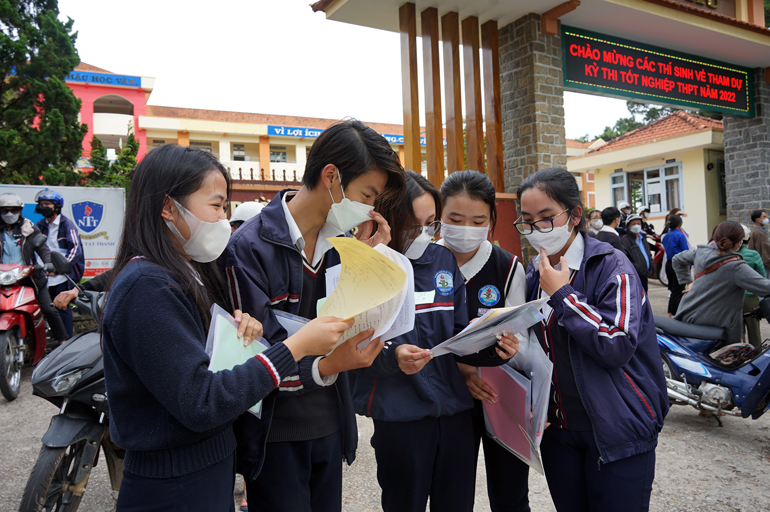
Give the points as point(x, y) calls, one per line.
point(747, 156)
point(532, 103)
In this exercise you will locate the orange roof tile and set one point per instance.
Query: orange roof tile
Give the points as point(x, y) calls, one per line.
point(578, 145)
point(675, 124)
point(727, 20)
point(91, 69)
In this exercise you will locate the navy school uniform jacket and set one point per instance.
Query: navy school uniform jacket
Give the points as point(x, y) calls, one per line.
point(613, 348)
point(384, 392)
point(69, 241)
point(264, 273)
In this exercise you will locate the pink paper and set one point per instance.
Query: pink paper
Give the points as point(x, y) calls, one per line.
point(508, 417)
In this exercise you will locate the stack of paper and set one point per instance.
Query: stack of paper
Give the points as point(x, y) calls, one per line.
point(225, 348)
point(373, 286)
point(517, 420)
point(482, 333)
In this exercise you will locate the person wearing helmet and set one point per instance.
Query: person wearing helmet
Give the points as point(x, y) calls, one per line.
point(750, 300)
point(16, 247)
point(62, 236)
point(625, 210)
point(244, 212)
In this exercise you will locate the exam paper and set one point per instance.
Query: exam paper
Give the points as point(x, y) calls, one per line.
point(226, 349)
point(481, 333)
point(389, 319)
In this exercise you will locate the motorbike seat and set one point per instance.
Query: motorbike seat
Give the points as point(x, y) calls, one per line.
point(703, 333)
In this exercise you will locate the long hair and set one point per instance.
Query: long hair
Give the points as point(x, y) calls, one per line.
point(476, 185)
point(400, 215)
point(169, 171)
point(728, 235)
point(560, 186)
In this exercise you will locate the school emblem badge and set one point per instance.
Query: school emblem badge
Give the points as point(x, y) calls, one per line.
point(489, 295)
point(88, 216)
point(444, 282)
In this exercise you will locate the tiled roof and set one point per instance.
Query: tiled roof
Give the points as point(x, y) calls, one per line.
point(577, 144)
point(91, 69)
point(691, 9)
point(320, 5)
point(247, 117)
point(673, 125)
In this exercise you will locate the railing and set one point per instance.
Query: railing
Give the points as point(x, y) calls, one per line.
point(255, 174)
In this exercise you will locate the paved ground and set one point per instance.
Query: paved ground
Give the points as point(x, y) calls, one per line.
point(700, 467)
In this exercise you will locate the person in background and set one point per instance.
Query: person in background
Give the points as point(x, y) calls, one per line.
point(625, 211)
point(674, 242)
point(63, 237)
point(244, 212)
point(609, 396)
point(759, 241)
point(647, 228)
point(750, 300)
point(16, 247)
point(608, 233)
point(672, 211)
point(493, 278)
point(595, 222)
point(421, 406)
point(637, 249)
point(715, 295)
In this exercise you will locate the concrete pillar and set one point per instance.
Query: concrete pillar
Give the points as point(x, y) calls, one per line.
point(747, 156)
point(532, 100)
point(224, 151)
point(264, 155)
point(183, 138)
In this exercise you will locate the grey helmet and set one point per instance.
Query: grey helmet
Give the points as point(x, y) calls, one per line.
point(10, 200)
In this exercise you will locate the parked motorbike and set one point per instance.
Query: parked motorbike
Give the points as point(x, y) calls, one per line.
point(704, 371)
point(659, 260)
point(72, 378)
point(22, 327)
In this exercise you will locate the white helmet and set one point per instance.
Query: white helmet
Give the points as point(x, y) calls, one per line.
point(623, 204)
point(10, 200)
point(245, 211)
point(746, 232)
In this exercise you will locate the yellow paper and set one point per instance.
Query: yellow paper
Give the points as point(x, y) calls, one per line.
point(367, 279)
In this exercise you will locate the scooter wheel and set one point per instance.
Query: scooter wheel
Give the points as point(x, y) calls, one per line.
point(10, 369)
point(51, 478)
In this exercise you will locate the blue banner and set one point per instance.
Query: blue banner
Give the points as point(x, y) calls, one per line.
point(104, 79)
point(313, 133)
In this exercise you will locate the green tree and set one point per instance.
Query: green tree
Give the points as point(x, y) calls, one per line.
point(117, 173)
point(767, 13)
point(585, 138)
point(621, 127)
point(40, 136)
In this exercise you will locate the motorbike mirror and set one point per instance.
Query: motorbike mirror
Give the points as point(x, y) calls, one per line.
point(764, 307)
point(60, 263)
point(39, 241)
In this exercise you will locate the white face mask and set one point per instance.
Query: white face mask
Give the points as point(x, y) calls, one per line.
point(765, 221)
point(347, 214)
point(552, 242)
point(10, 218)
point(597, 224)
point(635, 229)
point(419, 245)
point(464, 239)
point(207, 239)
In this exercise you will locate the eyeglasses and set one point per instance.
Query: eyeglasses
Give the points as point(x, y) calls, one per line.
point(543, 226)
point(10, 210)
point(431, 229)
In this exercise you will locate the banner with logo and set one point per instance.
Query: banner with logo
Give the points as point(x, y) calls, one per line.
point(97, 212)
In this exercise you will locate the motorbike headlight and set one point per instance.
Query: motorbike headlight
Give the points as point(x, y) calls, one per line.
point(63, 383)
point(24, 273)
point(8, 277)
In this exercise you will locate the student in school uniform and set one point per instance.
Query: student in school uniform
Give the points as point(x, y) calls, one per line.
point(292, 458)
point(423, 429)
point(167, 410)
point(494, 278)
point(608, 397)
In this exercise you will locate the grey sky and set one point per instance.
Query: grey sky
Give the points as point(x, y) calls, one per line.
point(265, 56)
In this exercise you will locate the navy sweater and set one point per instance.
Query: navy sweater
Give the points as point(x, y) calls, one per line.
point(171, 414)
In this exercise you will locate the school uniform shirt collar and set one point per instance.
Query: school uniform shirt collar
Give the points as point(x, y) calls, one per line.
point(474, 265)
point(574, 254)
point(608, 229)
point(322, 244)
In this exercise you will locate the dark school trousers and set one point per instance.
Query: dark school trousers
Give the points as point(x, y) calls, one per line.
point(50, 312)
point(676, 289)
point(64, 314)
point(428, 457)
point(578, 484)
point(507, 475)
point(299, 476)
point(209, 489)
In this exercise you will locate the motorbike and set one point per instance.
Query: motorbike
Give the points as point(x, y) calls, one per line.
point(22, 327)
point(704, 371)
point(659, 260)
point(72, 378)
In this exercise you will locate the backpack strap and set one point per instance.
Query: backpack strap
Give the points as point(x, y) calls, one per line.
point(716, 266)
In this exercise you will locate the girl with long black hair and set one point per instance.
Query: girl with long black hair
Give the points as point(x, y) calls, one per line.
point(494, 278)
point(168, 411)
point(608, 396)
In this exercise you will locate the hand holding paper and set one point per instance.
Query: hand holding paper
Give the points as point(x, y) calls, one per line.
point(249, 328)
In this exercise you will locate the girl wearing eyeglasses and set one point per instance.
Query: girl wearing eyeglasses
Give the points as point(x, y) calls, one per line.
point(423, 430)
point(608, 396)
point(493, 278)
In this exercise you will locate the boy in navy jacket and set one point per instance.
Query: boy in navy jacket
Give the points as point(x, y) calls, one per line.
point(278, 261)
